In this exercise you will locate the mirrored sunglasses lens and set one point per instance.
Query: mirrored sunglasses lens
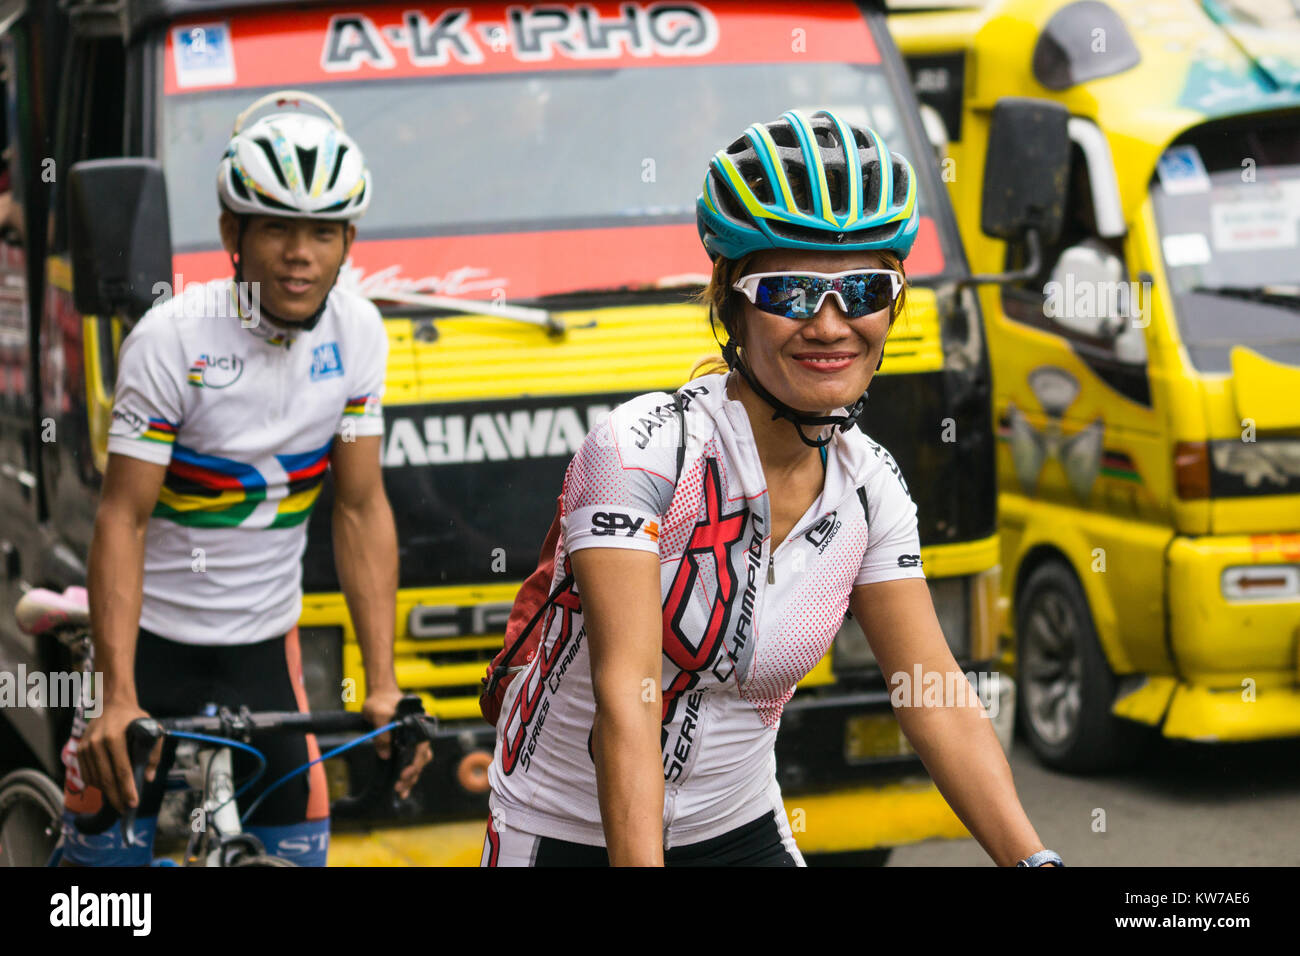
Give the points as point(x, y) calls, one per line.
point(790, 296)
point(867, 293)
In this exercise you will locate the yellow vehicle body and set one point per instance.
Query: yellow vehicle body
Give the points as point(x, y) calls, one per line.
point(1088, 469)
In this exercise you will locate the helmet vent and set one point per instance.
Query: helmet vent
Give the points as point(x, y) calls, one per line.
point(727, 200)
point(870, 193)
point(825, 137)
point(265, 145)
point(900, 183)
point(306, 160)
point(756, 179)
point(835, 183)
point(237, 185)
point(799, 189)
point(338, 165)
point(782, 135)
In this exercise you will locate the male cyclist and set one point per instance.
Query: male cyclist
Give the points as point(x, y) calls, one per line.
point(231, 402)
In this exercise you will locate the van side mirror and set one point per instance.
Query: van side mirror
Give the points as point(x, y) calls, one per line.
point(1026, 179)
point(120, 235)
point(1026, 169)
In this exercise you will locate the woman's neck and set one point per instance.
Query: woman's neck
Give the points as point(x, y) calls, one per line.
point(779, 448)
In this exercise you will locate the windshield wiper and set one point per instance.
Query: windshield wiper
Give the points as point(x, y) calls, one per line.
point(500, 310)
point(1284, 295)
point(687, 280)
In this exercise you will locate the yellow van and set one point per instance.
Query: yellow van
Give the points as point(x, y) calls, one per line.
point(1146, 364)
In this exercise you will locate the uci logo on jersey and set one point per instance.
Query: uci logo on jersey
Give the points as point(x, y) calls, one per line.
point(216, 371)
point(607, 523)
point(326, 362)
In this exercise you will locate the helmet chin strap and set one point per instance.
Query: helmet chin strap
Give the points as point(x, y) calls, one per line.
point(305, 325)
point(798, 419)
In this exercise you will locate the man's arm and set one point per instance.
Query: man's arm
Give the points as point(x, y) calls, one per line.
point(115, 579)
point(365, 555)
point(957, 743)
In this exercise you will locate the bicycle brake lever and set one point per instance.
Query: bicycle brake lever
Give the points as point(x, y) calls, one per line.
point(414, 727)
point(141, 735)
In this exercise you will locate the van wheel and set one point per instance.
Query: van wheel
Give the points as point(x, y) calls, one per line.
point(1066, 688)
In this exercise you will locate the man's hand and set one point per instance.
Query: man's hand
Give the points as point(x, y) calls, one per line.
point(102, 755)
point(379, 709)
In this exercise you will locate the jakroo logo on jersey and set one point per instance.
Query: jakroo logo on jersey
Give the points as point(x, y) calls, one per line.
point(216, 371)
point(820, 535)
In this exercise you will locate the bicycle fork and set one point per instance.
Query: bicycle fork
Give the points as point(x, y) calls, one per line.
point(218, 818)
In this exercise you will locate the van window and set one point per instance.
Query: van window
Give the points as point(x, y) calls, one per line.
point(1082, 275)
point(92, 102)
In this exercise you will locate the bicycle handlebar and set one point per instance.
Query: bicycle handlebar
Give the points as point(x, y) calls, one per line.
point(414, 727)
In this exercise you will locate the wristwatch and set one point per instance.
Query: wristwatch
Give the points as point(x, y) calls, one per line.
point(1041, 857)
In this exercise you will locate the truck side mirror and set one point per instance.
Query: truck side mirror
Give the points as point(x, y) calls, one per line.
point(1026, 170)
point(120, 235)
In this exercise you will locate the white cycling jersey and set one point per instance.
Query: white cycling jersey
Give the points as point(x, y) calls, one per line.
point(741, 624)
point(243, 416)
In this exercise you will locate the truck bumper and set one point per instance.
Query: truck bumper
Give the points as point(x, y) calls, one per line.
point(1237, 658)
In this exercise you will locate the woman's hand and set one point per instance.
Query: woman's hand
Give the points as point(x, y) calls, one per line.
point(622, 614)
point(955, 740)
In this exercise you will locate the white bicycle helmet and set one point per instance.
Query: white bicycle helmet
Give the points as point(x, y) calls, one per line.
point(294, 164)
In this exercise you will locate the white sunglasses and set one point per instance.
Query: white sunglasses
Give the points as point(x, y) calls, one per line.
point(799, 295)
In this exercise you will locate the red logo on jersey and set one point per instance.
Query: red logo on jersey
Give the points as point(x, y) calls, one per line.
point(714, 534)
point(566, 604)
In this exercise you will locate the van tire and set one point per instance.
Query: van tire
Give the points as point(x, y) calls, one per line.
point(1055, 635)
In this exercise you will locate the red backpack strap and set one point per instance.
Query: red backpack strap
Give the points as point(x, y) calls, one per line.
point(530, 603)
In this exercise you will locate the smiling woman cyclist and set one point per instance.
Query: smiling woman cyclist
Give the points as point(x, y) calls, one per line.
point(688, 597)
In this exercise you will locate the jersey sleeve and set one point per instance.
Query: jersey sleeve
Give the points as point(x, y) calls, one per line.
point(893, 540)
point(363, 412)
point(148, 398)
point(620, 483)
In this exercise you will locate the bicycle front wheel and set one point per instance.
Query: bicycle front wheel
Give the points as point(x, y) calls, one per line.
point(31, 808)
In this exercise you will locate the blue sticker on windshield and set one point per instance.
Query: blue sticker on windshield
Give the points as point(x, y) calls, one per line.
point(1181, 171)
point(203, 55)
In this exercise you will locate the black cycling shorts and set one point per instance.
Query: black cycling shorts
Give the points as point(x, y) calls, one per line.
point(761, 842)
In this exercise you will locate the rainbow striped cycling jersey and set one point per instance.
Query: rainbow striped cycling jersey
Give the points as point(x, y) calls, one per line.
point(243, 416)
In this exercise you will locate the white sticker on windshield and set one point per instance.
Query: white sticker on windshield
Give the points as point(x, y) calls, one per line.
point(203, 55)
point(1181, 171)
point(1186, 249)
point(1243, 226)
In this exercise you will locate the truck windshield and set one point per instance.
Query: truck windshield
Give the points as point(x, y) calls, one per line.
point(1228, 209)
point(490, 162)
